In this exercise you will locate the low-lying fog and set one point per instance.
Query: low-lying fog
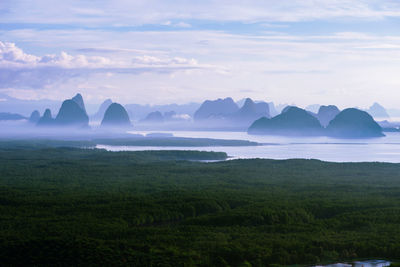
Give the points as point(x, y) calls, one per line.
point(383, 149)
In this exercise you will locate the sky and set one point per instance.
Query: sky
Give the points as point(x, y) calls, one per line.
point(343, 52)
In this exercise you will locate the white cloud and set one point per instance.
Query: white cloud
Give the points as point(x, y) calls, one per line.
point(12, 56)
point(177, 25)
point(183, 25)
point(154, 61)
point(19, 69)
point(167, 23)
point(284, 68)
point(9, 53)
point(301, 67)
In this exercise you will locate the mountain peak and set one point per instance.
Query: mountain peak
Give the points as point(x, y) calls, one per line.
point(46, 119)
point(354, 123)
point(71, 114)
point(378, 111)
point(327, 113)
point(35, 117)
point(294, 121)
point(216, 108)
point(47, 113)
point(79, 100)
point(248, 102)
point(116, 116)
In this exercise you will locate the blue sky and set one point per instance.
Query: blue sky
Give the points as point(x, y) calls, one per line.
point(289, 51)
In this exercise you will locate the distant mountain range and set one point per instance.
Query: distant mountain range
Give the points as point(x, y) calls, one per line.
point(6, 116)
point(73, 114)
point(251, 111)
point(216, 109)
point(139, 112)
point(25, 107)
point(272, 109)
point(378, 111)
point(257, 117)
point(226, 113)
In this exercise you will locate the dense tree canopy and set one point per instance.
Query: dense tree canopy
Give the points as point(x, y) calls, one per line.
point(71, 207)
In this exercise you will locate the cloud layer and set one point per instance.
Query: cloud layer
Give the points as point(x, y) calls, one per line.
point(19, 69)
point(122, 12)
point(304, 51)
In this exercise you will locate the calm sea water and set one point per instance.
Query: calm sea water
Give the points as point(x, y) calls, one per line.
point(384, 149)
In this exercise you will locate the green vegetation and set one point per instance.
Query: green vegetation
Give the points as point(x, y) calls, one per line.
point(122, 141)
point(43, 143)
point(173, 141)
point(73, 207)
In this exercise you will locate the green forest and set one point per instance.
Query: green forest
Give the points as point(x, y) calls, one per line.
point(90, 207)
point(91, 142)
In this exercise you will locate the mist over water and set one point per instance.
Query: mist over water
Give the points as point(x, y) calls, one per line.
point(383, 149)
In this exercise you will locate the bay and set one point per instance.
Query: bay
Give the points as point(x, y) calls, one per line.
point(383, 149)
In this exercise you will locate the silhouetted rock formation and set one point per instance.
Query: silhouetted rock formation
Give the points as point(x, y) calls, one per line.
point(252, 110)
point(35, 117)
point(46, 119)
point(71, 114)
point(377, 111)
point(216, 109)
point(293, 121)
point(138, 112)
point(326, 114)
point(354, 123)
point(5, 116)
point(116, 116)
point(249, 112)
point(79, 100)
point(102, 110)
point(154, 117)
